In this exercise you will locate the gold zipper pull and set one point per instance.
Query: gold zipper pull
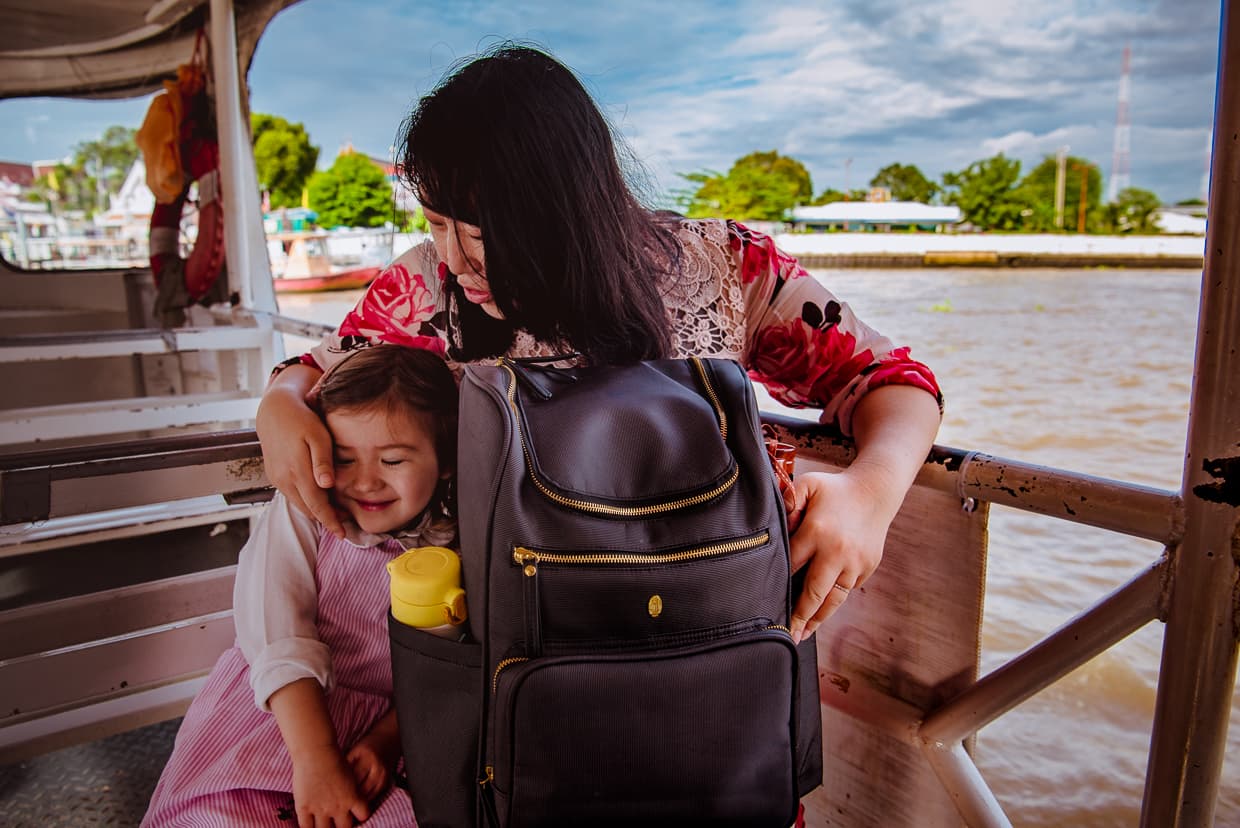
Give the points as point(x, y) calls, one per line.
point(527, 559)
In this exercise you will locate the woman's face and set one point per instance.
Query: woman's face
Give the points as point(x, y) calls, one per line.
point(459, 246)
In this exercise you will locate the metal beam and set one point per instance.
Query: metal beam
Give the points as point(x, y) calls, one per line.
point(245, 241)
point(1198, 669)
point(1112, 619)
point(57, 422)
point(1140, 511)
point(92, 344)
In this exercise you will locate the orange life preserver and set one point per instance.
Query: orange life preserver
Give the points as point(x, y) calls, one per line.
point(206, 260)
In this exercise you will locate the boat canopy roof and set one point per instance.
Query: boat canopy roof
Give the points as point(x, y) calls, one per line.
point(110, 48)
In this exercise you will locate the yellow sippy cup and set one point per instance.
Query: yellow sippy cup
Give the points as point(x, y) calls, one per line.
point(426, 590)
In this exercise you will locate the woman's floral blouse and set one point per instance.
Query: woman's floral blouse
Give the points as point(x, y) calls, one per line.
point(736, 296)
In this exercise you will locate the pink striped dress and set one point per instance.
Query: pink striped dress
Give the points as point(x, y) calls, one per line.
point(229, 766)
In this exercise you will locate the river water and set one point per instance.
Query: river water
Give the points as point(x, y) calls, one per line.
point(1085, 370)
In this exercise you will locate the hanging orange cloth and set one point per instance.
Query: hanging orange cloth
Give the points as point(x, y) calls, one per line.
point(159, 138)
point(161, 134)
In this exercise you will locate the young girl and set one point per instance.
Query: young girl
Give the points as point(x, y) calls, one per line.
point(295, 722)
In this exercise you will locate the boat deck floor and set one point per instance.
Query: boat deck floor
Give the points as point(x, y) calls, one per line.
point(106, 782)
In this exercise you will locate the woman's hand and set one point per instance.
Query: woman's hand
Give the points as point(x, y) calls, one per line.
point(373, 759)
point(845, 517)
point(297, 448)
point(842, 531)
point(325, 793)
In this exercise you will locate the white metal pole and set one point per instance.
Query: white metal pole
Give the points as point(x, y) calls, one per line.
point(249, 272)
point(1198, 671)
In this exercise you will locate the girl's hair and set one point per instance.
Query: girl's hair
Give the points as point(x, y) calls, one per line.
point(407, 381)
point(511, 142)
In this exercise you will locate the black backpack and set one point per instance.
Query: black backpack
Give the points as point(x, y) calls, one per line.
point(626, 570)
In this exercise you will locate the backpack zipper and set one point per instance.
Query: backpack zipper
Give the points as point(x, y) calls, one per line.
point(499, 668)
point(605, 508)
point(529, 559)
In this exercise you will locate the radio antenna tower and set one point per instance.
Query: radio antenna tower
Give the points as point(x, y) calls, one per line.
point(1119, 157)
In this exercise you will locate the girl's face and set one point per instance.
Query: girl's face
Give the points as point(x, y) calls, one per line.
point(386, 467)
point(459, 246)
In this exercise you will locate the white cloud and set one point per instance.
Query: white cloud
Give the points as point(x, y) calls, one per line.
point(33, 122)
point(939, 84)
point(1024, 142)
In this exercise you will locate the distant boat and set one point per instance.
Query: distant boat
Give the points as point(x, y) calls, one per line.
point(307, 267)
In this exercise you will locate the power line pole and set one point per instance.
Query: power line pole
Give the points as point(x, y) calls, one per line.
point(1083, 169)
point(1061, 163)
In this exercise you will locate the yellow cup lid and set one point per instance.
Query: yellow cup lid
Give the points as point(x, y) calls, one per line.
point(426, 587)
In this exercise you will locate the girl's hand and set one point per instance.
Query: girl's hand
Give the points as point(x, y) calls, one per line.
point(841, 534)
point(297, 448)
point(373, 759)
point(325, 794)
point(370, 771)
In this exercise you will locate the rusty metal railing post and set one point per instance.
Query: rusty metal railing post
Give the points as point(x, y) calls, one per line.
point(1200, 644)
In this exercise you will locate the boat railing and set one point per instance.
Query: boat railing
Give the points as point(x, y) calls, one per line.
point(89, 649)
point(60, 420)
point(941, 732)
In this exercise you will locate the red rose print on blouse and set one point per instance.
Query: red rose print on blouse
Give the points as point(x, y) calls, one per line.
point(804, 365)
point(898, 368)
point(393, 311)
point(759, 256)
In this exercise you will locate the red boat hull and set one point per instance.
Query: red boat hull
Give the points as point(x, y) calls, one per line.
point(345, 280)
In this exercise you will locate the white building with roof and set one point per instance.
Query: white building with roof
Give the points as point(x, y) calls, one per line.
point(874, 215)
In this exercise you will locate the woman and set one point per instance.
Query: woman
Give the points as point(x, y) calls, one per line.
point(539, 247)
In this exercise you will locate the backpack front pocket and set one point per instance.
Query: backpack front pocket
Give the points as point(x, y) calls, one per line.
point(696, 735)
point(623, 600)
point(437, 686)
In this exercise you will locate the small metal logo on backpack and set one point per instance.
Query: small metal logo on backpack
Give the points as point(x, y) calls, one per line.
point(654, 606)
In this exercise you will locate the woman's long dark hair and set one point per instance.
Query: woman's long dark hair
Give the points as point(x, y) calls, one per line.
point(511, 142)
point(409, 381)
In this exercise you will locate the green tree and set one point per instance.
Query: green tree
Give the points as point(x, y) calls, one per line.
point(1133, 212)
point(1194, 202)
point(761, 185)
point(416, 221)
point(353, 192)
point(65, 188)
point(830, 196)
point(96, 170)
point(107, 161)
point(1037, 190)
point(985, 192)
point(283, 156)
point(906, 183)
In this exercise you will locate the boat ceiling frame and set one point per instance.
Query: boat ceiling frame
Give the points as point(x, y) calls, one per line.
point(110, 48)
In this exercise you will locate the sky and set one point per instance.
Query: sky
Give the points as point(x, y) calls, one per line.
point(844, 86)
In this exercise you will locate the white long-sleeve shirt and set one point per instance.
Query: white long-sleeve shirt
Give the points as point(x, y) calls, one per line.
point(275, 596)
